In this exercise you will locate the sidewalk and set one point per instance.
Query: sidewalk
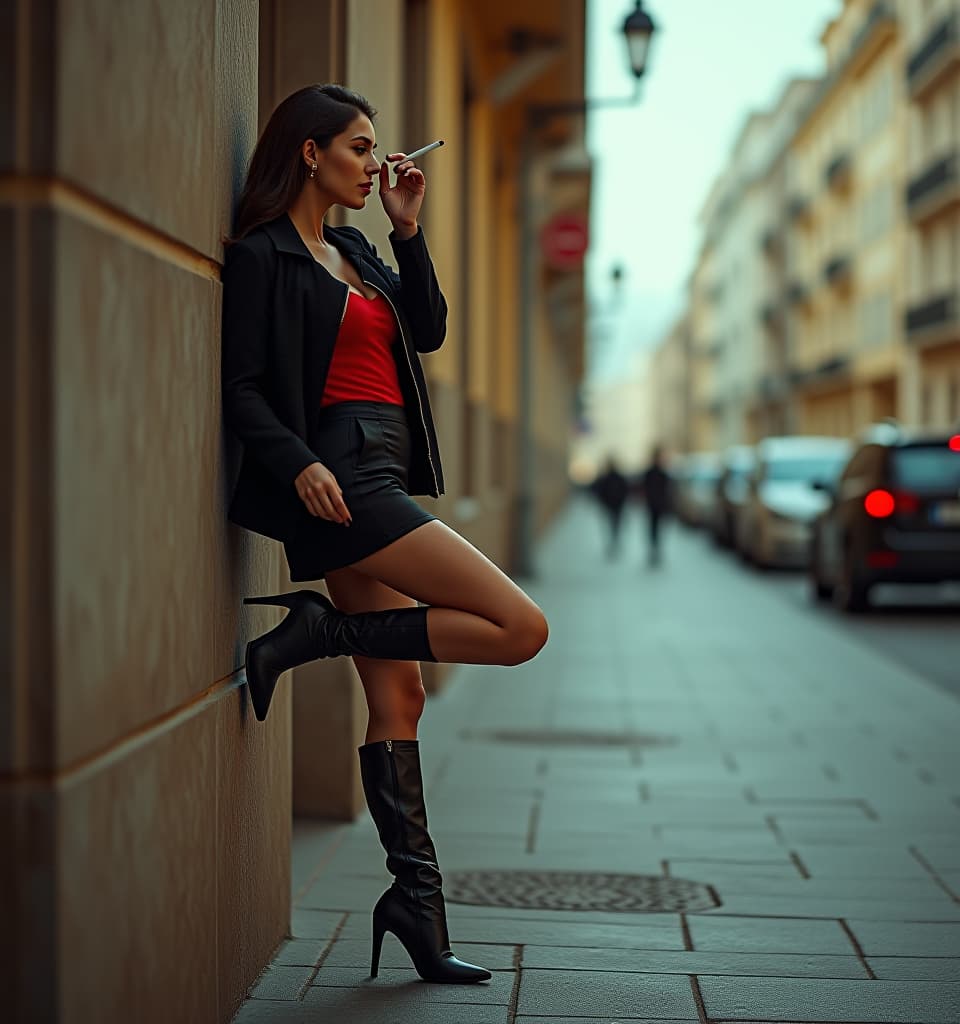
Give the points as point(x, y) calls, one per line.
point(758, 820)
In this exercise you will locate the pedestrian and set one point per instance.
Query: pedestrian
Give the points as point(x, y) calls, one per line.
point(612, 489)
point(655, 489)
point(324, 390)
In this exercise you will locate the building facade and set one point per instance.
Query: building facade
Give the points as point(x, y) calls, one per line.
point(932, 197)
point(855, 214)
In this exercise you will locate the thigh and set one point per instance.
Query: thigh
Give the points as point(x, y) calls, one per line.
point(438, 567)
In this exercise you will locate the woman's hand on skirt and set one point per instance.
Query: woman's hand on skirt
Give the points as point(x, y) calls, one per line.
point(320, 492)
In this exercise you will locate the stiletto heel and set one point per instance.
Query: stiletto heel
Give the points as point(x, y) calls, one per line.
point(378, 932)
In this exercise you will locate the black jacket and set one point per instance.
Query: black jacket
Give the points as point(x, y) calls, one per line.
point(281, 314)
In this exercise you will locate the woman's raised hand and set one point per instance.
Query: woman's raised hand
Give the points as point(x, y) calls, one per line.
point(403, 200)
point(320, 492)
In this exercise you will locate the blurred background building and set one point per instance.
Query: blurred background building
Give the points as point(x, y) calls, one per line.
point(824, 294)
point(141, 805)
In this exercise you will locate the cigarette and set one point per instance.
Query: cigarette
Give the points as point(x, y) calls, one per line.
point(420, 152)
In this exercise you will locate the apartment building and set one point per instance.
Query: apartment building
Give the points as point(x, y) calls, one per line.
point(845, 173)
point(932, 198)
point(737, 293)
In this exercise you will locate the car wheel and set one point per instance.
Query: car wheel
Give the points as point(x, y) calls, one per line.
point(819, 590)
point(851, 593)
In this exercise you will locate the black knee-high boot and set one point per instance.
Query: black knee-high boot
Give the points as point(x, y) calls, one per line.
point(314, 628)
point(413, 907)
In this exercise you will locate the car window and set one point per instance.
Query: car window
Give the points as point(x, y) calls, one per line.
point(806, 470)
point(927, 468)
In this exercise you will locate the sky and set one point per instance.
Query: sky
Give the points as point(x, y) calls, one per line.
point(711, 63)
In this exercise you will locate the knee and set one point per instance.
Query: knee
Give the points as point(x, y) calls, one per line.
point(526, 636)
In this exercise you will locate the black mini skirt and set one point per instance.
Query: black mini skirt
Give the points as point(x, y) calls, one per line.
point(366, 445)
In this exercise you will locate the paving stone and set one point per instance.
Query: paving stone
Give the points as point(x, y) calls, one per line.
point(385, 1001)
point(599, 1020)
point(347, 1006)
point(262, 1011)
point(458, 912)
point(356, 953)
point(315, 924)
point(686, 962)
point(915, 968)
point(943, 909)
point(506, 931)
point(907, 939)
point(495, 991)
point(300, 952)
point(880, 1002)
point(642, 996)
point(766, 935)
point(279, 982)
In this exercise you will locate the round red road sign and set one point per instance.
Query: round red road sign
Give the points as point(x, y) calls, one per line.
point(564, 240)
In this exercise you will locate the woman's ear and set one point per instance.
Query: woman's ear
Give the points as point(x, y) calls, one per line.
point(309, 152)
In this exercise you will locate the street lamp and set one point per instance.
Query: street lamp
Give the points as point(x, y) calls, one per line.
point(638, 28)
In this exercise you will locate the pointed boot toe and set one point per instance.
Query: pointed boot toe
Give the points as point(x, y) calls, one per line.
point(454, 971)
point(261, 678)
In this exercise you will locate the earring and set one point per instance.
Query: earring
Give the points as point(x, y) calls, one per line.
point(313, 171)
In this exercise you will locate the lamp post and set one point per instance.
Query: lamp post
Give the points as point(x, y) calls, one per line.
point(638, 28)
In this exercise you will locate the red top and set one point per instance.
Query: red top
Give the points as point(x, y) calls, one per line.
point(362, 368)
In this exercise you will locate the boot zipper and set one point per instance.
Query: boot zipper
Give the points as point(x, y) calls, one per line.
point(403, 338)
point(403, 841)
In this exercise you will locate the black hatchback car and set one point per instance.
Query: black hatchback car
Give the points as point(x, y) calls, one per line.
point(894, 517)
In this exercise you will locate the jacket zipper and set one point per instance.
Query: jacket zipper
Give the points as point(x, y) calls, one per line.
point(403, 337)
point(346, 301)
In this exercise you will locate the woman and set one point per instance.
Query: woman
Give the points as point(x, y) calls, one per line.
point(322, 385)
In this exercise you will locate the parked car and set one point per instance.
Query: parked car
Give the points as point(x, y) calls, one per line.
point(695, 478)
point(893, 517)
point(737, 464)
point(774, 525)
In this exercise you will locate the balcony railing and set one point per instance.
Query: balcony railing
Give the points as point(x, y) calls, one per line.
point(771, 243)
point(940, 49)
point(837, 173)
point(837, 271)
point(943, 311)
point(798, 208)
point(770, 315)
point(797, 293)
point(935, 189)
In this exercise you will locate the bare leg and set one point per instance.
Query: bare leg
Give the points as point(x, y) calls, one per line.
point(393, 689)
point(477, 615)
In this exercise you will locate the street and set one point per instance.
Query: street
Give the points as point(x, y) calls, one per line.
point(704, 800)
point(915, 626)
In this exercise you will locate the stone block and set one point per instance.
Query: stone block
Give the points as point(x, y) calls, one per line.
point(253, 826)
point(136, 911)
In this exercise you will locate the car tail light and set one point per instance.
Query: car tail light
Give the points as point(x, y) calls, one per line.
point(954, 443)
point(882, 559)
point(879, 504)
point(907, 504)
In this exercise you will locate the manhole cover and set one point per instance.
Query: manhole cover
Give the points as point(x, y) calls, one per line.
point(577, 890)
point(571, 738)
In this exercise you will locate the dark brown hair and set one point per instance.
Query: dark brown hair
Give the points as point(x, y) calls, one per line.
point(277, 172)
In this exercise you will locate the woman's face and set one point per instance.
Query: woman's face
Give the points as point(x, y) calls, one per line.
point(346, 169)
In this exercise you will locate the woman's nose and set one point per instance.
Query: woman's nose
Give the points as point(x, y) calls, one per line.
point(373, 167)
